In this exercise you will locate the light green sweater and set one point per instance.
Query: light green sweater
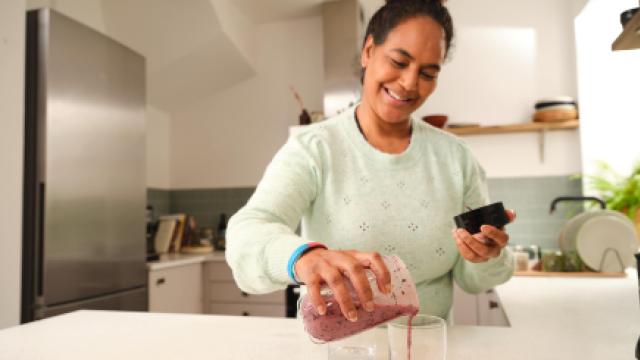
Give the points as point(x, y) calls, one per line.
point(350, 195)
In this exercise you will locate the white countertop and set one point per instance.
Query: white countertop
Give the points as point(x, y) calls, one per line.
point(172, 260)
point(551, 318)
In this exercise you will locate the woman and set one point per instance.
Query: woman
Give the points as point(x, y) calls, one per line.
point(372, 181)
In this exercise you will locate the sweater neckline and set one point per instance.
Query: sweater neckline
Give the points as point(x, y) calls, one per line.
point(405, 158)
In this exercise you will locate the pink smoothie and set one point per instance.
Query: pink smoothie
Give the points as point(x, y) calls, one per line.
point(333, 325)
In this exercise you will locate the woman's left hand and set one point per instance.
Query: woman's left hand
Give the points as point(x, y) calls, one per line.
point(486, 244)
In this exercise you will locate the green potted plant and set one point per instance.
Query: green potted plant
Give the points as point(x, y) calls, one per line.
point(621, 193)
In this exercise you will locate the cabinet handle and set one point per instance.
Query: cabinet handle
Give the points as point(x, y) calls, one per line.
point(160, 281)
point(245, 313)
point(493, 304)
point(244, 294)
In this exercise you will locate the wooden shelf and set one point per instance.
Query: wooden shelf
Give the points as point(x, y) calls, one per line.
point(630, 36)
point(516, 128)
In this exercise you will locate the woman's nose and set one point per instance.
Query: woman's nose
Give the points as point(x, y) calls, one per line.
point(409, 80)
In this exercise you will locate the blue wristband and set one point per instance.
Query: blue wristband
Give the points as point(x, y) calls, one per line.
point(296, 255)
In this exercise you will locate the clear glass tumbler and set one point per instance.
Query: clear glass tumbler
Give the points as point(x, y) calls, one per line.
point(361, 346)
point(425, 338)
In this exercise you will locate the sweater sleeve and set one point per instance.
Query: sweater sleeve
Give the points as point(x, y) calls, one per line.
point(478, 277)
point(261, 235)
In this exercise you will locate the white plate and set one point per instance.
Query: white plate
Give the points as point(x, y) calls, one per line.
point(601, 233)
point(569, 233)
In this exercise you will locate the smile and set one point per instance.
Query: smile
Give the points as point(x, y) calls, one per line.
point(397, 97)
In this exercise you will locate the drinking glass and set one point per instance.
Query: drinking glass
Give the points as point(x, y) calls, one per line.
point(361, 346)
point(428, 338)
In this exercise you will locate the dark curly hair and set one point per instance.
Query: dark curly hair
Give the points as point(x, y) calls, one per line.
point(396, 11)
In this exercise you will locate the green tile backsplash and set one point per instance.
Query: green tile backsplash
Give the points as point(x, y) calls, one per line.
point(159, 199)
point(530, 197)
point(206, 205)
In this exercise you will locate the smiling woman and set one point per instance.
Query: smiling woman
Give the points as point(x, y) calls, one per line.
point(373, 181)
point(402, 73)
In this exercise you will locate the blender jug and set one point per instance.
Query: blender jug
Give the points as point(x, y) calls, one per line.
point(403, 300)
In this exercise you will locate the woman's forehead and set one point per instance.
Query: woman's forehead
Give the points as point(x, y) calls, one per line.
point(420, 37)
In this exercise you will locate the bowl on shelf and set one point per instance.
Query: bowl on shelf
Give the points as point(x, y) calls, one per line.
point(627, 15)
point(436, 120)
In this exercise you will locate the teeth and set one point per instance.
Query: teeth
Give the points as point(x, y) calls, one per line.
point(396, 96)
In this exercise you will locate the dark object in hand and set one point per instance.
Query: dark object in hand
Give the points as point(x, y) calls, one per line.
point(492, 214)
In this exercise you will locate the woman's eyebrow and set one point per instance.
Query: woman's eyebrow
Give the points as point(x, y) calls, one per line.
point(406, 54)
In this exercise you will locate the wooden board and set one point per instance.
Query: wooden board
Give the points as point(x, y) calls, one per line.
point(525, 127)
point(570, 274)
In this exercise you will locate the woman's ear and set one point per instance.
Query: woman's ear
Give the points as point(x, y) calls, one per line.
point(367, 50)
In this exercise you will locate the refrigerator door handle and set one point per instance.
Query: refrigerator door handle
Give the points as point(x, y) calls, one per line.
point(40, 238)
point(39, 305)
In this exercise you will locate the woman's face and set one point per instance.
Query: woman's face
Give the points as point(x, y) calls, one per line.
point(402, 72)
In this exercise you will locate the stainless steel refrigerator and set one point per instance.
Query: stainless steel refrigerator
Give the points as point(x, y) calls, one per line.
point(84, 175)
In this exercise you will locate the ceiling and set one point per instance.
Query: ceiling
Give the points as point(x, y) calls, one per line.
point(261, 11)
point(193, 48)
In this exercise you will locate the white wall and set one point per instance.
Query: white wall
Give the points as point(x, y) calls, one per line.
point(518, 154)
point(158, 124)
point(227, 139)
point(239, 29)
point(12, 23)
point(507, 55)
point(608, 86)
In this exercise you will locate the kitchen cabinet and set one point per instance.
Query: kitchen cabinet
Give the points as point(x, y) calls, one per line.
point(176, 289)
point(478, 309)
point(222, 296)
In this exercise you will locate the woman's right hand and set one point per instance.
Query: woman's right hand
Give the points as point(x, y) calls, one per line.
point(334, 267)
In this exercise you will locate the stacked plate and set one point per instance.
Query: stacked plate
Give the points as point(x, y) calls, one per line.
point(561, 108)
point(605, 240)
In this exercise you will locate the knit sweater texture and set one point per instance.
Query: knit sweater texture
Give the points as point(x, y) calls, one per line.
point(348, 195)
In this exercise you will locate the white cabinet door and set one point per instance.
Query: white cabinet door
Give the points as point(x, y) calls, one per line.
point(465, 307)
point(490, 312)
point(482, 309)
point(222, 296)
point(176, 289)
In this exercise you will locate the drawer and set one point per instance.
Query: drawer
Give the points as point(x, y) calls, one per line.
point(228, 292)
point(177, 289)
point(218, 271)
point(247, 309)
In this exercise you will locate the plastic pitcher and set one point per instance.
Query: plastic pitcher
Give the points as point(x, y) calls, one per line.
point(403, 300)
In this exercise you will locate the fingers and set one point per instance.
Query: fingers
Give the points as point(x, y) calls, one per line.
point(495, 234)
point(476, 248)
point(511, 214)
point(334, 279)
point(465, 250)
point(344, 273)
point(373, 261)
point(313, 292)
point(358, 278)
